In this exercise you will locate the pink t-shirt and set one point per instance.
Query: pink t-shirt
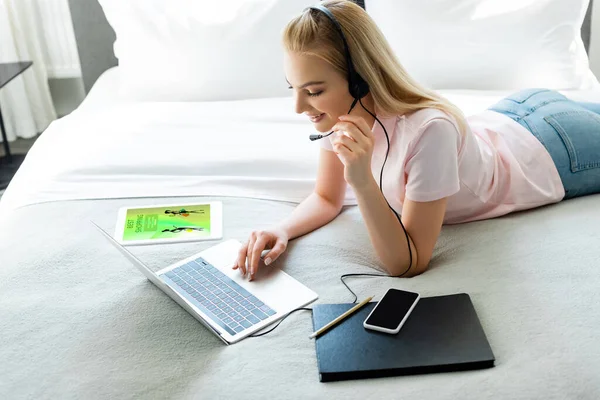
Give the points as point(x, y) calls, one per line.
point(495, 168)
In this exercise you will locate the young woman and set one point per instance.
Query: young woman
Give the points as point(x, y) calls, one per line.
point(533, 148)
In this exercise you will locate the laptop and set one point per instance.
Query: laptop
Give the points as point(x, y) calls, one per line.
point(216, 295)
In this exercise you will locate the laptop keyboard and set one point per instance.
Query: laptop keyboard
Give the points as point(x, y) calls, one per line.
point(218, 296)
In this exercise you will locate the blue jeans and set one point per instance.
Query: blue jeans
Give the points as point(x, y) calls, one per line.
point(569, 130)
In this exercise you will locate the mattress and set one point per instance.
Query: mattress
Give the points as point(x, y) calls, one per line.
point(77, 320)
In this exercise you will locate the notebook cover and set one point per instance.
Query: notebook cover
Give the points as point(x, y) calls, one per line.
point(442, 334)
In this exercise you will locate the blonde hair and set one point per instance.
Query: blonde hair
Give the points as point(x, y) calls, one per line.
point(394, 91)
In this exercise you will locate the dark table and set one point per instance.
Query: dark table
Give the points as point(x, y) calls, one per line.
point(9, 163)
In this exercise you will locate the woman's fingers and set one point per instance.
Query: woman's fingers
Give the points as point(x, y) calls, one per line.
point(259, 246)
point(359, 122)
point(241, 259)
point(350, 144)
point(349, 130)
point(269, 243)
point(275, 252)
point(249, 251)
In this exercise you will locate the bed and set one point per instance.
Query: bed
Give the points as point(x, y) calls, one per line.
point(78, 321)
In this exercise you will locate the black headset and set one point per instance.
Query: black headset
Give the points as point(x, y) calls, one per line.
point(357, 86)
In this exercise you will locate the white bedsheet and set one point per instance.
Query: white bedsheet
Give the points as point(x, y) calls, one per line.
point(251, 148)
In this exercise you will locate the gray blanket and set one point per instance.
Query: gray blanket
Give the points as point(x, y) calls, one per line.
point(79, 321)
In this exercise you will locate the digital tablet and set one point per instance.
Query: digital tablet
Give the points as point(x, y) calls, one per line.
point(168, 223)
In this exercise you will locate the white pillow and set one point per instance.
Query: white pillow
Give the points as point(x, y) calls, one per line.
point(191, 50)
point(488, 44)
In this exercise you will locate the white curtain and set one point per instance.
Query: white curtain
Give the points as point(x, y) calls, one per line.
point(25, 102)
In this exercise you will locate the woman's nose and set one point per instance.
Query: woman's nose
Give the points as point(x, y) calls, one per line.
point(299, 104)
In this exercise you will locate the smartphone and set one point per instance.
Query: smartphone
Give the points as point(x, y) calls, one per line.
point(391, 311)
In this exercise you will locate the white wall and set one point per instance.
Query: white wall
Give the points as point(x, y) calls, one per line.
point(67, 94)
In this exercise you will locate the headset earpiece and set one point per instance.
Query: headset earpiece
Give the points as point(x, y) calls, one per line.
point(357, 86)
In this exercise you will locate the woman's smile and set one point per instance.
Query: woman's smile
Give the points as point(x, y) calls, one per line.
point(316, 118)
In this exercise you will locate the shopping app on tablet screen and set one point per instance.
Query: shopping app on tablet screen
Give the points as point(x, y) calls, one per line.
point(191, 221)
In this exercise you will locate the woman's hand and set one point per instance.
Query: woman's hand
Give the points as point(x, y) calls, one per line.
point(354, 146)
point(249, 255)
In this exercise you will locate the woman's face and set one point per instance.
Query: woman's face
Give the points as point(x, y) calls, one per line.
point(320, 91)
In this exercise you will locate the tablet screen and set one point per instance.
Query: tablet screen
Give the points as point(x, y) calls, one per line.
point(176, 222)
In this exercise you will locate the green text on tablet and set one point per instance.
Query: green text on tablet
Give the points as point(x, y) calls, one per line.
point(169, 223)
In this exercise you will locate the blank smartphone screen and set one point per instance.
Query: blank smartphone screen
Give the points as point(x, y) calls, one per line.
point(392, 308)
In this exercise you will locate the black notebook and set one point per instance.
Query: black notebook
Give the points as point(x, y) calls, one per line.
point(441, 334)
